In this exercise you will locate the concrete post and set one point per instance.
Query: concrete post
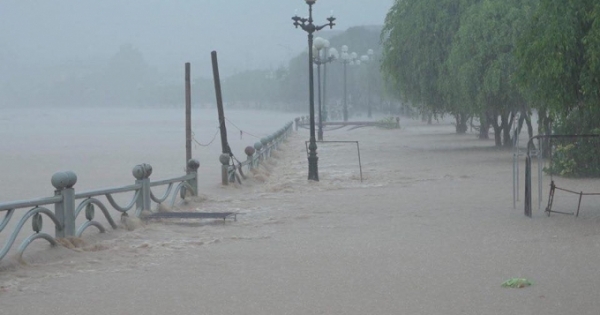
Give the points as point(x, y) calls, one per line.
point(65, 209)
point(192, 167)
point(142, 174)
point(258, 146)
point(250, 156)
point(224, 159)
point(265, 142)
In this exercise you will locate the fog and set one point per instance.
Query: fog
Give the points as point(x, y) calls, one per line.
point(43, 41)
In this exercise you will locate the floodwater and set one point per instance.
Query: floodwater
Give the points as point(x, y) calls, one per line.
point(429, 230)
point(102, 145)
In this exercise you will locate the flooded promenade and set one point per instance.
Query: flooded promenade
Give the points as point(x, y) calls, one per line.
point(431, 230)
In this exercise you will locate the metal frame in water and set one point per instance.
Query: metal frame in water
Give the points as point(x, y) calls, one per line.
point(357, 148)
point(530, 152)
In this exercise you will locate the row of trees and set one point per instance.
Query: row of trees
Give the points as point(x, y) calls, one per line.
point(495, 59)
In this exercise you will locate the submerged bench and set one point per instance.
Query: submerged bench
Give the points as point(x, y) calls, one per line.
point(191, 215)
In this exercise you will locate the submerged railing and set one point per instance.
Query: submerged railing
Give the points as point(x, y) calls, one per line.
point(261, 151)
point(68, 205)
point(530, 153)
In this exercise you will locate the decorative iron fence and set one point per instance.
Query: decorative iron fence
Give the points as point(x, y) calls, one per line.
point(261, 151)
point(68, 205)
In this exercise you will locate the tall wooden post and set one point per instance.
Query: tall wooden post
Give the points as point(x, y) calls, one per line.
point(215, 65)
point(188, 116)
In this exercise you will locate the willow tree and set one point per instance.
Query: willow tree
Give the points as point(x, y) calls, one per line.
point(559, 63)
point(482, 65)
point(559, 67)
point(417, 39)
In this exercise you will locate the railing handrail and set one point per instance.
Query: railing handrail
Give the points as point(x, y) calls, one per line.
point(255, 154)
point(19, 204)
point(69, 205)
point(172, 180)
point(30, 203)
point(106, 191)
point(258, 153)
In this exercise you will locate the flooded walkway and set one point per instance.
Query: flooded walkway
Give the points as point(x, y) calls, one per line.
point(431, 230)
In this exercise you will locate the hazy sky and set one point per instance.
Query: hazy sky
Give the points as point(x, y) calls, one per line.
point(246, 33)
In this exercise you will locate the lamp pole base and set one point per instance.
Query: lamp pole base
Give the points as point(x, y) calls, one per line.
point(313, 168)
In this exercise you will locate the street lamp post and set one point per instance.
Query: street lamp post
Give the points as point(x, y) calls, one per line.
point(332, 53)
point(368, 58)
point(346, 59)
point(319, 45)
point(307, 25)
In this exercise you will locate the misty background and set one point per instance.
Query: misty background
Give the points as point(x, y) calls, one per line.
point(84, 53)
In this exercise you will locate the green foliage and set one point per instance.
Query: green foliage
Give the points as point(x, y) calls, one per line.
point(579, 157)
point(576, 159)
point(388, 123)
point(481, 64)
point(417, 39)
point(559, 72)
point(446, 56)
point(559, 57)
point(516, 283)
point(563, 162)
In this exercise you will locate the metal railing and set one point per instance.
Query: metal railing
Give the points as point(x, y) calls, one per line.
point(68, 205)
point(261, 151)
point(532, 152)
point(517, 154)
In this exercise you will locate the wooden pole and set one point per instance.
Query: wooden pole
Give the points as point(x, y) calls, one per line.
point(215, 65)
point(188, 116)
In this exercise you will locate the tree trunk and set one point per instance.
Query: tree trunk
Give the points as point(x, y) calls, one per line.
point(484, 128)
point(497, 129)
point(544, 128)
point(507, 121)
point(529, 126)
point(461, 123)
point(525, 118)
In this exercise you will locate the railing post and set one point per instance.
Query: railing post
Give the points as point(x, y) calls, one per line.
point(265, 142)
point(65, 209)
point(297, 120)
point(142, 174)
point(527, 201)
point(224, 159)
point(258, 146)
point(193, 166)
point(250, 156)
